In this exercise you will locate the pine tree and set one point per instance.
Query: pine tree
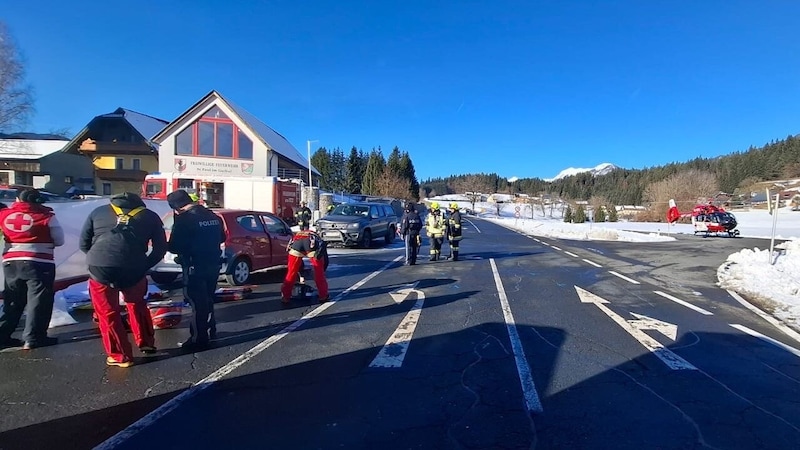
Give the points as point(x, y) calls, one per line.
point(409, 173)
point(568, 214)
point(373, 172)
point(600, 214)
point(321, 160)
point(612, 214)
point(354, 173)
point(580, 215)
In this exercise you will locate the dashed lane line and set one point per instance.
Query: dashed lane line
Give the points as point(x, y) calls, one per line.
point(684, 303)
point(571, 254)
point(532, 401)
point(208, 381)
point(591, 262)
point(629, 280)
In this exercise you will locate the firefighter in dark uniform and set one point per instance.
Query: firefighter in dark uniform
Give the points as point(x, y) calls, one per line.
point(31, 233)
point(196, 237)
point(306, 243)
point(303, 216)
point(454, 230)
point(410, 226)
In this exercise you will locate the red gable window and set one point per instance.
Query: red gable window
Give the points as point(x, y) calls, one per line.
point(215, 136)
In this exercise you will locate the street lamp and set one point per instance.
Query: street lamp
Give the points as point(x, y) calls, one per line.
point(310, 182)
point(774, 218)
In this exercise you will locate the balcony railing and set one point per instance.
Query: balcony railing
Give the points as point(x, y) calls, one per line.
point(114, 148)
point(121, 174)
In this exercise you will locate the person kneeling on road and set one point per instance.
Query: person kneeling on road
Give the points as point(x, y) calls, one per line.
point(306, 243)
point(196, 238)
point(115, 239)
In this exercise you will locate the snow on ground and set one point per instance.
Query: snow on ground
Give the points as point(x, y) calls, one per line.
point(775, 280)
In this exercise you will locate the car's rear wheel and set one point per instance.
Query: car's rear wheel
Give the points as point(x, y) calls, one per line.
point(366, 239)
point(390, 235)
point(163, 277)
point(239, 272)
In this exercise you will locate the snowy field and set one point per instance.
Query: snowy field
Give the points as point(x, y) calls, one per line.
point(751, 272)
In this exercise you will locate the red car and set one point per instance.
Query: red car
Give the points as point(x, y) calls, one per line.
point(256, 241)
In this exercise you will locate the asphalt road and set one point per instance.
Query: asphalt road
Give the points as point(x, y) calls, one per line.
point(524, 343)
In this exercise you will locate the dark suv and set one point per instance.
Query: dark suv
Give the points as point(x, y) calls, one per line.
point(357, 224)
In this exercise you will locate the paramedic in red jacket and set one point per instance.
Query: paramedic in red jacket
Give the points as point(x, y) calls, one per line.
point(306, 243)
point(31, 234)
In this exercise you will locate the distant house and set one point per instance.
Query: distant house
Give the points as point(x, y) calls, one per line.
point(120, 147)
point(629, 212)
point(36, 160)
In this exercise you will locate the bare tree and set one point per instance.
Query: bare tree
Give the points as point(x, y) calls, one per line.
point(390, 184)
point(16, 99)
point(472, 186)
point(687, 188)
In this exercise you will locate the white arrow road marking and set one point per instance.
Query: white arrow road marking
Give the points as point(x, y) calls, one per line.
point(523, 370)
point(774, 342)
point(629, 280)
point(401, 294)
point(635, 327)
point(684, 303)
point(395, 349)
point(643, 322)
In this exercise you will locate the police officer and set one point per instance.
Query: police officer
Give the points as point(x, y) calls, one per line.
point(196, 237)
point(410, 226)
point(303, 216)
point(454, 229)
point(31, 232)
point(435, 227)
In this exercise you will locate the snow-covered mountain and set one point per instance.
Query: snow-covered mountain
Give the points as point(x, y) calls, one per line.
point(600, 169)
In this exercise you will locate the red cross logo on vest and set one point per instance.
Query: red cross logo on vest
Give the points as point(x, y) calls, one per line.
point(19, 222)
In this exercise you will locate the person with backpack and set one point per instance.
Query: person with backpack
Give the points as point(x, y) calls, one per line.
point(196, 238)
point(31, 233)
point(410, 226)
point(116, 240)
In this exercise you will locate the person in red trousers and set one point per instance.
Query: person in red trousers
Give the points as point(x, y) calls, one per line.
point(306, 243)
point(115, 239)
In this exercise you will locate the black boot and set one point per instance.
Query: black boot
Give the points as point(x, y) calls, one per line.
point(455, 256)
point(434, 257)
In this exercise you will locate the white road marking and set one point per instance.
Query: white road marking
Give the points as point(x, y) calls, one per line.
point(571, 254)
point(473, 225)
point(634, 328)
point(774, 342)
point(208, 381)
point(556, 248)
point(592, 263)
point(684, 303)
point(395, 349)
point(629, 280)
point(532, 401)
point(773, 321)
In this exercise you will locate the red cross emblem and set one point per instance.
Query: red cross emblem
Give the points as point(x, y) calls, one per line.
point(19, 222)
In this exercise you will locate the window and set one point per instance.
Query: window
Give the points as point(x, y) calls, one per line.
point(274, 225)
point(250, 223)
point(376, 212)
point(106, 188)
point(154, 188)
point(119, 164)
point(137, 164)
point(214, 135)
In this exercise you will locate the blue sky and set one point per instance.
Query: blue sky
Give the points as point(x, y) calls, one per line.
point(518, 88)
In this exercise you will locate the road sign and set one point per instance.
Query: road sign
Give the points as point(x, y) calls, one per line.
point(516, 209)
point(516, 214)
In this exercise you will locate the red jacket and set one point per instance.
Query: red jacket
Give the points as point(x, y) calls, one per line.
point(31, 232)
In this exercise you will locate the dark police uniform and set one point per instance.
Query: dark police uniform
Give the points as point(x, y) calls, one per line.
point(410, 226)
point(196, 237)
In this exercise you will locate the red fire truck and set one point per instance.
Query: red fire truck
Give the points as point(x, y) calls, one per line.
point(271, 194)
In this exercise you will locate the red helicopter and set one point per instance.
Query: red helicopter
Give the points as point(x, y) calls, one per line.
point(708, 220)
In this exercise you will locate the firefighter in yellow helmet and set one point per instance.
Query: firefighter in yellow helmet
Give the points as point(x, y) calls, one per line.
point(454, 230)
point(435, 227)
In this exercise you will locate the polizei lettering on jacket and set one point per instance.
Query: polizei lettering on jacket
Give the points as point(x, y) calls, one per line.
point(209, 223)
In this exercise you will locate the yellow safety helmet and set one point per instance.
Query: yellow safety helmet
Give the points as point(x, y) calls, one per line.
point(435, 205)
point(453, 205)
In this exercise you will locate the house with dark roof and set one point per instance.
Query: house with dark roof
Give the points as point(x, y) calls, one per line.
point(121, 149)
point(217, 138)
point(33, 159)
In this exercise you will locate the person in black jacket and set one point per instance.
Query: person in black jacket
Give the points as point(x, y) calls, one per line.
point(196, 237)
point(410, 226)
point(115, 239)
point(303, 216)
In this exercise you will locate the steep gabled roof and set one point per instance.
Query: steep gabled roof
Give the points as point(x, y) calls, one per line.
point(145, 125)
point(264, 132)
